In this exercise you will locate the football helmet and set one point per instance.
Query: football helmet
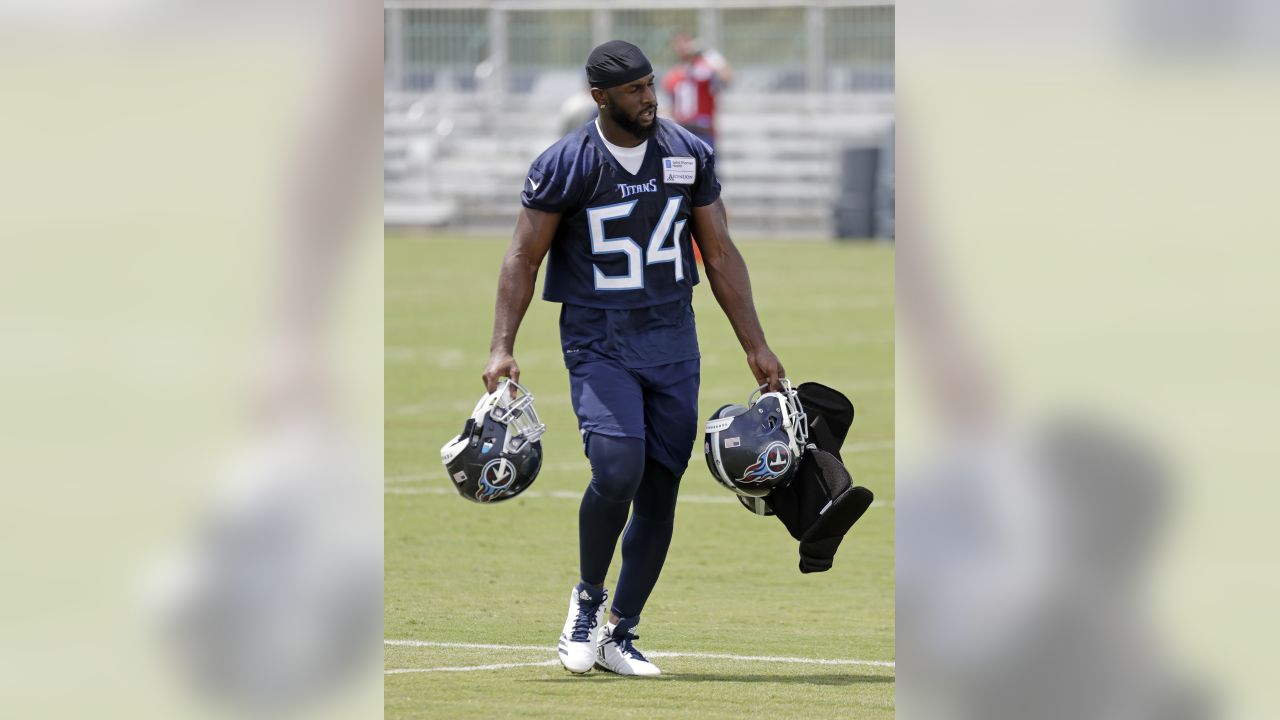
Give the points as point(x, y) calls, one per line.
point(497, 455)
point(755, 449)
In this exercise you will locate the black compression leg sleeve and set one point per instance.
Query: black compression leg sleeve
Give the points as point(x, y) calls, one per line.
point(646, 540)
point(616, 468)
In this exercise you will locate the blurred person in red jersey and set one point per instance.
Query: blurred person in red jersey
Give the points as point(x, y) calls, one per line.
point(693, 84)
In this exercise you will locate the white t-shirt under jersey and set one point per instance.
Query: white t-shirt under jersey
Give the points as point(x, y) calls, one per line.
point(629, 158)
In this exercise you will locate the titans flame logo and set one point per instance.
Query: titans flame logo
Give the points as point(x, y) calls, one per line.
point(772, 463)
point(495, 478)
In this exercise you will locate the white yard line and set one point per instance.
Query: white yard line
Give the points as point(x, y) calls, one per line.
point(655, 653)
point(775, 658)
point(413, 477)
point(470, 668)
point(577, 495)
point(582, 467)
point(468, 646)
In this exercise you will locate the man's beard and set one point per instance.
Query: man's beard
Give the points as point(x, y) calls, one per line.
point(643, 132)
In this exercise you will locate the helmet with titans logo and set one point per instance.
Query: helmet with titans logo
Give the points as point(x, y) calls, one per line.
point(497, 455)
point(754, 449)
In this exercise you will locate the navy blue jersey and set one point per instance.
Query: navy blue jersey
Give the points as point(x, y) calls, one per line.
point(623, 240)
point(635, 338)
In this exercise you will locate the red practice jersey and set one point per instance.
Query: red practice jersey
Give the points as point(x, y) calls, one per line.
point(693, 87)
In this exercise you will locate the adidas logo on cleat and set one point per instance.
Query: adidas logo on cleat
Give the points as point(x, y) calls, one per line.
point(582, 628)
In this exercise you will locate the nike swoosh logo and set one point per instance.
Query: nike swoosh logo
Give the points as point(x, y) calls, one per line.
point(534, 184)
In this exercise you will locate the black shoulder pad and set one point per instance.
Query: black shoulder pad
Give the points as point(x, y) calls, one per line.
point(828, 409)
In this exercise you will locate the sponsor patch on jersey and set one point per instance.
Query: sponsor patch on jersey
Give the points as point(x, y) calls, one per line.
point(732, 442)
point(679, 170)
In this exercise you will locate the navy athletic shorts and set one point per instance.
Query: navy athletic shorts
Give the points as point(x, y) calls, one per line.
point(658, 404)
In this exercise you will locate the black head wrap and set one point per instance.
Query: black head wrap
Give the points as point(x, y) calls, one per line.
point(616, 63)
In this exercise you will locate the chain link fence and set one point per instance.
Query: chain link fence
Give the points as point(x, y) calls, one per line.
point(474, 89)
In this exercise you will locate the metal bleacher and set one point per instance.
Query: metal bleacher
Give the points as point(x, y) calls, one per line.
point(452, 161)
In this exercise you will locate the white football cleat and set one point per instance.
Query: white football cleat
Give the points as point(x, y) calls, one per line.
point(582, 630)
point(617, 654)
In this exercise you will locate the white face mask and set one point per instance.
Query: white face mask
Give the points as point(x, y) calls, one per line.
point(512, 405)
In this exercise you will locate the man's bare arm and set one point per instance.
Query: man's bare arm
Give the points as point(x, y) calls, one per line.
point(727, 273)
point(534, 232)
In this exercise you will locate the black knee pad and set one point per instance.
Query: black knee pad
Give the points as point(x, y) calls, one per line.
point(617, 466)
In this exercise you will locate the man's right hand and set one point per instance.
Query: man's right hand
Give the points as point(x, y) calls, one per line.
point(501, 364)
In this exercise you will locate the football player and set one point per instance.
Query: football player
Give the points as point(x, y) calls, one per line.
point(614, 203)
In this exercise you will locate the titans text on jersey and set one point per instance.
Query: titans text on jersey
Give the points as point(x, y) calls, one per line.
point(623, 240)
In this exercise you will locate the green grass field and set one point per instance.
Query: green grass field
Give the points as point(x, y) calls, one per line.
point(461, 573)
